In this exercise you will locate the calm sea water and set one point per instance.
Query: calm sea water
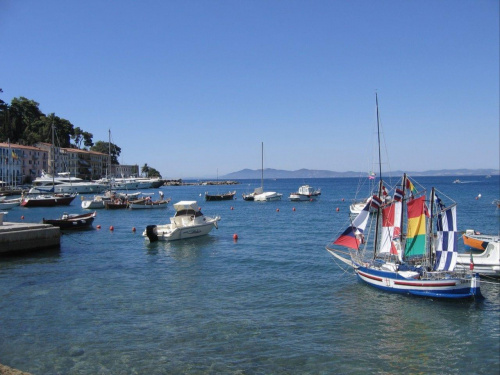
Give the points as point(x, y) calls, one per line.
point(273, 302)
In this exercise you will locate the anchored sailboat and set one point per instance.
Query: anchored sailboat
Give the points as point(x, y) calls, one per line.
point(259, 194)
point(409, 246)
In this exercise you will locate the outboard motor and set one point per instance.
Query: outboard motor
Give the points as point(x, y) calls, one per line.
point(151, 233)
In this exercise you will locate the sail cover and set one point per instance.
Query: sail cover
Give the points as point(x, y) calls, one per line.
point(446, 250)
point(415, 241)
point(353, 235)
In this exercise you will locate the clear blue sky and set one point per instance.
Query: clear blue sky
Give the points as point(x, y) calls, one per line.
point(192, 87)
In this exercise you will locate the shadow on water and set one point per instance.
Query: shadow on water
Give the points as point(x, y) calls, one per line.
point(25, 258)
point(181, 249)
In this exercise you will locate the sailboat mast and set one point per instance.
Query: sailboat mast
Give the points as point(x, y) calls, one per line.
point(109, 153)
point(378, 134)
point(53, 158)
point(401, 222)
point(375, 245)
point(262, 167)
point(430, 235)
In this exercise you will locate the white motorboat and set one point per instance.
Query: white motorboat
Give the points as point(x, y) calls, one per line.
point(305, 193)
point(98, 201)
point(64, 183)
point(188, 222)
point(486, 263)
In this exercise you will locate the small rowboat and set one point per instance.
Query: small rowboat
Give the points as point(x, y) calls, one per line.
point(72, 221)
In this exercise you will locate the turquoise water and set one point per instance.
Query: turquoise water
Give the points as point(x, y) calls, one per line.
point(272, 302)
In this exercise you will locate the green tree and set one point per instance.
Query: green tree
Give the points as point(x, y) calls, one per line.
point(107, 147)
point(145, 170)
point(153, 173)
point(23, 113)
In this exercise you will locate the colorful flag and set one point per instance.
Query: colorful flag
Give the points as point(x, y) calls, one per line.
point(411, 187)
point(384, 191)
point(415, 241)
point(14, 155)
point(352, 237)
point(398, 195)
point(376, 202)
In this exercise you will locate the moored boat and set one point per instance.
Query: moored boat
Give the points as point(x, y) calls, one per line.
point(486, 263)
point(72, 221)
point(476, 241)
point(188, 222)
point(148, 204)
point(414, 254)
point(268, 196)
point(48, 200)
point(7, 204)
point(220, 197)
point(259, 195)
point(64, 183)
point(305, 193)
point(116, 204)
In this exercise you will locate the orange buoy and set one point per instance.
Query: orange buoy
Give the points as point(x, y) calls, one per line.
point(337, 209)
point(133, 229)
point(111, 228)
point(293, 209)
point(235, 236)
point(98, 227)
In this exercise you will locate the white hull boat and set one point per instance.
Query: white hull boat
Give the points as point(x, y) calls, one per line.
point(188, 222)
point(99, 201)
point(65, 184)
point(486, 263)
point(305, 193)
point(267, 196)
point(7, 204)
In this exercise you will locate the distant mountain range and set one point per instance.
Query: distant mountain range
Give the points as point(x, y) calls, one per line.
point(312, 173)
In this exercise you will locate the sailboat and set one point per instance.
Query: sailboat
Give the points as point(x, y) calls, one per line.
point(413, 253)
point(259, 195)
point(49, 200)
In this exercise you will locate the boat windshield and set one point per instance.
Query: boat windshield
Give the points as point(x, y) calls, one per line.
point(188, 213)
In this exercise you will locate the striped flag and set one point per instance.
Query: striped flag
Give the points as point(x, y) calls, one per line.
point(376, 202)
point(398, 195)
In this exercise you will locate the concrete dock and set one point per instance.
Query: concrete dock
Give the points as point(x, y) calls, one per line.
point(16, 238)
